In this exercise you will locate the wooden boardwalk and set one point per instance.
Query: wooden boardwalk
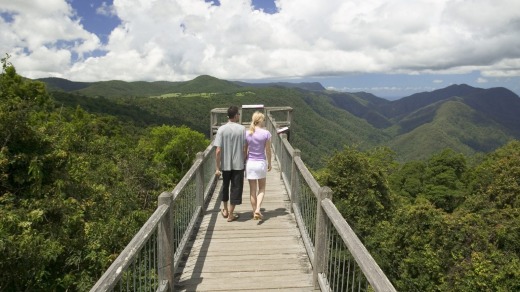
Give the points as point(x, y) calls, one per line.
point(246, 254)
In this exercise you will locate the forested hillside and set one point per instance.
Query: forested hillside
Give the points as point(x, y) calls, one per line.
point(466, 119)
point(318, 126)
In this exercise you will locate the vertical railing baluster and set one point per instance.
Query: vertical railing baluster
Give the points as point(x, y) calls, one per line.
point(353, 277)
point(152, 263)
point(139, 270)
point(349, 271)
point(134, 272)
point(343, 262)
point(330, 262)
point(149, 267)
point(330, 268)
point(337, 260)
point(359, 281)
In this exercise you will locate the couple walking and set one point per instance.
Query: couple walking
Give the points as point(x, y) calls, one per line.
point(237, 147)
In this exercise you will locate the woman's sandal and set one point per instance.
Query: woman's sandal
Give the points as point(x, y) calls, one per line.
point(222, 212)
point(258, 216)
point(232, 218)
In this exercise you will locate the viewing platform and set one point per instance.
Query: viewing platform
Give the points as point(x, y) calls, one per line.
point(302, 244)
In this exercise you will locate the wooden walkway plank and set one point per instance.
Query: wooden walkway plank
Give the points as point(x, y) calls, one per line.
point(247, 254)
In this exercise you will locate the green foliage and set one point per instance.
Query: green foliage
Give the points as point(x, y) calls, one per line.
point(497, 178)
point(74, 186)
point(360, 190)
point(448, 227)
point(406, 247)
point(469, 244)
point(441, 179)
point(173, 148)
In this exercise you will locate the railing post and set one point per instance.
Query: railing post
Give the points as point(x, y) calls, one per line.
point(282, 160)
point(276, 146)
point(320, 241)
point(294, 177)
point(269, 125)
point(200, 182)
point(165, 243)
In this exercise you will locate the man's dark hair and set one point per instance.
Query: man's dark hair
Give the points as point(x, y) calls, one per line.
point(232, 111)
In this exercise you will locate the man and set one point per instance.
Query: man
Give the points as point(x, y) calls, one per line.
point(230, 158)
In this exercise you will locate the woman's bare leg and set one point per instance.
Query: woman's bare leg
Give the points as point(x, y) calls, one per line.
point(260, 196)
point(252, 193)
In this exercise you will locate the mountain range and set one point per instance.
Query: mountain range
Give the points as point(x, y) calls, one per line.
point(466, 119)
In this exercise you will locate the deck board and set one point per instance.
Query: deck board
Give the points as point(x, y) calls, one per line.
point(247, 254)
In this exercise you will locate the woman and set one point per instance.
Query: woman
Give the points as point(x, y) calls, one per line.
point(258, 161)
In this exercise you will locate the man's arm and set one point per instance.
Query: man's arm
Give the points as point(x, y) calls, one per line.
point(217, 161)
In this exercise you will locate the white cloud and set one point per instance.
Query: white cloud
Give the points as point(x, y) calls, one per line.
point(181, 39)
point(106, 9)
point(42, 36)
point(482, 80)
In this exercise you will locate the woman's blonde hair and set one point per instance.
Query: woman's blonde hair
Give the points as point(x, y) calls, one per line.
point(258, 117)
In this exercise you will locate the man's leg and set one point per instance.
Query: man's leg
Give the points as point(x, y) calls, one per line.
point(235, 192)
point(237, 186)
point(226, 179)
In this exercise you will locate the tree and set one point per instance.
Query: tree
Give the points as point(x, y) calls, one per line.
point(27, 168)
point(444, 185)
point(173, 148)
point(441, 179)
point(496, 179)
point(408, 181)
point(360, 189)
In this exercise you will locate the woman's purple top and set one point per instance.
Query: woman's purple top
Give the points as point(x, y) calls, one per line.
point(256, 144)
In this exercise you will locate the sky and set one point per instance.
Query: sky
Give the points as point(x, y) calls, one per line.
point(391, 48)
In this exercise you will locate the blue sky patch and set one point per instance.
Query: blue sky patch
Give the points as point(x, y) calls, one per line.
point(267, 6)
point(96, 17)
point(7, 16)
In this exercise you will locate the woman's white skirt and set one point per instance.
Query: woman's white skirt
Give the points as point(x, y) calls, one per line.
point(256, 169)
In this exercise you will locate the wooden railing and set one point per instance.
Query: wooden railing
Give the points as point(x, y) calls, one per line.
point(339, 259)
point(149, 261)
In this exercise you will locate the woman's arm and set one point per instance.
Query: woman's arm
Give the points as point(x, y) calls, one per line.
point(246, 152)
point(268, 154)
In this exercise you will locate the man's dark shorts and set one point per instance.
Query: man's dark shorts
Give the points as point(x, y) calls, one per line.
point(235, 178)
